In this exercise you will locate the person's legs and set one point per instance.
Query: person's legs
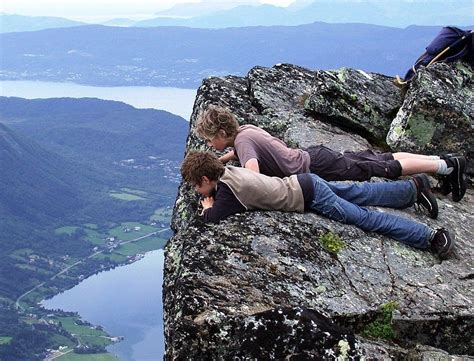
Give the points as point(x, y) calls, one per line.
point(358, 166)
point(399, 194)
point(327, 203)
point(418, 165)
point(405, 155)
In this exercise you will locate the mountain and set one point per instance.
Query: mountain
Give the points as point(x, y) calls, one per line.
point(119, 22)
point(385, 13)
point(201, 8)
point(16, 23)
point(62, 158)
point(34, 182)
point(182, 57)
point(93, 130)
point(213, 14)
point(40, 191)
point(240, 16)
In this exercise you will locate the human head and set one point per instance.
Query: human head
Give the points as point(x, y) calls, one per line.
point(202, 170)
point(218, 123)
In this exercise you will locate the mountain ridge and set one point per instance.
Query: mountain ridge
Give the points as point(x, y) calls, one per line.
point(182, 57)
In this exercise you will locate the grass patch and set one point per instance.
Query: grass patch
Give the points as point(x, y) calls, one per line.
point(60, 340)
point(131, 230)
point(88, 357)
point(142, 246)
point(126, 196)
point(69, 324)
point(91, 225)
point(4, 340)
point(21, 254)
point(66, 230)
point(162, 215)
point(34, 269)
point(134, 191)
point(332, 243)
point(381, 327)
point(95, 341)
point(114, 257)
point(95, 237)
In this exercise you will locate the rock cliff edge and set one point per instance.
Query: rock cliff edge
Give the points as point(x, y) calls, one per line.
point(273, 285)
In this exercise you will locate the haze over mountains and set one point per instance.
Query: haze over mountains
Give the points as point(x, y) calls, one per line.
point(387, 13)
point(182, 57)
point(218, 14)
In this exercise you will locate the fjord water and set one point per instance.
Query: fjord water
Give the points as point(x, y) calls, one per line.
point(126, 301)
point(174, 100)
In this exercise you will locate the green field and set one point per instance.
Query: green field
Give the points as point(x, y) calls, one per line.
point(60, 340)
point(70, 326)
point(162, 215)
point(35, 269)
point(134, 191)
point(142, 246)
point(85, 333)
point(5, 339)
point(91, 225)
point(120, 233)
point(94, 340)
point(66, 230)
point(115, 257)
point(95, 237)
point(88, 357)
point(126, 196)
point(21, 254)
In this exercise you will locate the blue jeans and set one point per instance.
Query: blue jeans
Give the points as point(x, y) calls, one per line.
point(341, 201)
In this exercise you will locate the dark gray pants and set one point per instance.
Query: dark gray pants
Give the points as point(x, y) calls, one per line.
point(358, 166)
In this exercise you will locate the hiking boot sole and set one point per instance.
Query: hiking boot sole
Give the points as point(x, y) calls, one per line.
point(458, 179)
point(429, 201)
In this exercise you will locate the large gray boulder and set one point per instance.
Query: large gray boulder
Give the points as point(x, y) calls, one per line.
point(437, 114)
point(274, 285)
point(356, 100)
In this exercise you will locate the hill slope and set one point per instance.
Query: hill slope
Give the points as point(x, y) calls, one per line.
point(16, 23)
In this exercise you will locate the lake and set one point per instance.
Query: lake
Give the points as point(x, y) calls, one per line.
point(127, 302)
point(174, 100)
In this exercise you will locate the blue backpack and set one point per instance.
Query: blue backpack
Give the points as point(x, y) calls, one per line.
point(449, 45)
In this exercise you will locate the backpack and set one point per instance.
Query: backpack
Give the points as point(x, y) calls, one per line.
point(449, 45)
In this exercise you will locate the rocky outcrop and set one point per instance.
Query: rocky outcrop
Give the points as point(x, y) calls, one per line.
point(273, 285)
point(355, 100)
point(437, 114)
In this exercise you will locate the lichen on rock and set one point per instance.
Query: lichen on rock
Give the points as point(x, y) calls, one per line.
point(437, 114)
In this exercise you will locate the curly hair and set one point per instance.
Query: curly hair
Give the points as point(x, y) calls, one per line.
point(214, 119)
point(199, 164)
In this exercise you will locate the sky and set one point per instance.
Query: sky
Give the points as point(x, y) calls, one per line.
point(93, 10)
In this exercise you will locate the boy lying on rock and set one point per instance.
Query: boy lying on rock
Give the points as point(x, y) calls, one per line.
point(230, 190)
point(259, 151)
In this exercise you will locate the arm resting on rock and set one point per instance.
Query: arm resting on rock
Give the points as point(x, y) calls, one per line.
point(228, 156)
point(252, 164)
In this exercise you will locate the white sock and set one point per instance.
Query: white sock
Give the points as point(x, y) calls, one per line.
point(434, 157)
point(443, 168)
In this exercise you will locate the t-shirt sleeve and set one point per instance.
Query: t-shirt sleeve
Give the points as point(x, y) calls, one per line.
point(225, 205)
point(246, 150)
